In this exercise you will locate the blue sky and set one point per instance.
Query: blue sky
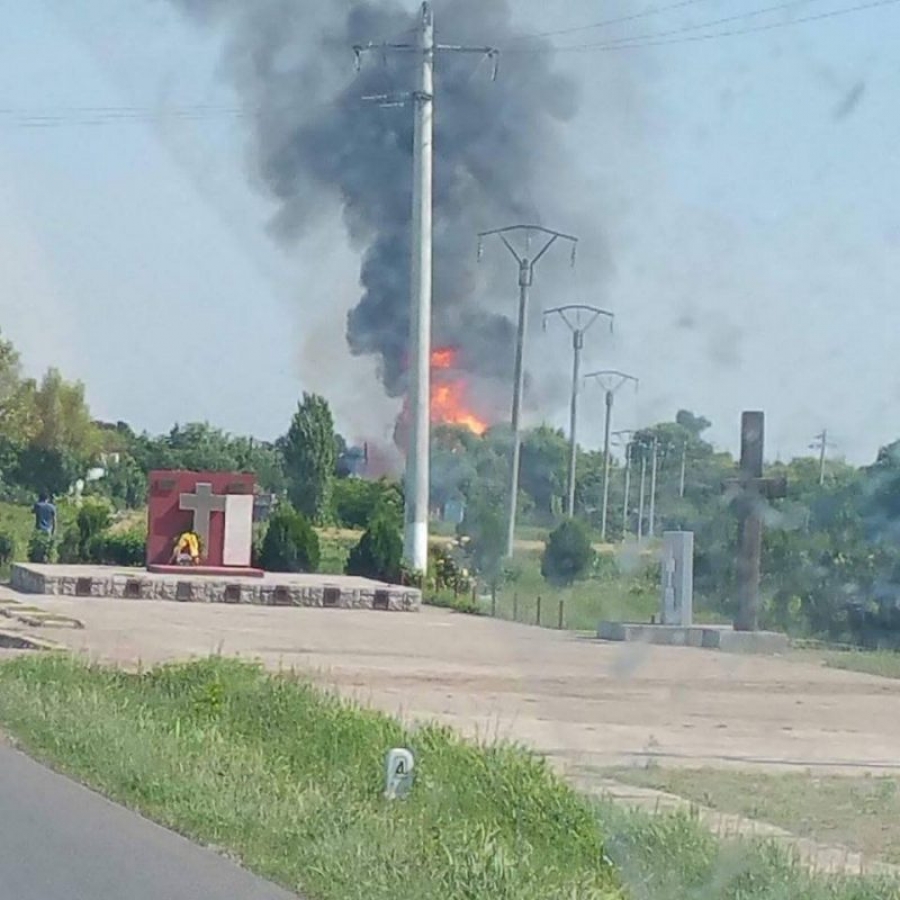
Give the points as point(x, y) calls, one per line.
point(752, 233)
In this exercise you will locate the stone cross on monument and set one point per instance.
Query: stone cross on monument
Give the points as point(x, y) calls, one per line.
point(202, 503)
point(751, 491)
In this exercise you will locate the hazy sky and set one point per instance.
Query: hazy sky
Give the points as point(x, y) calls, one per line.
point(747, 190)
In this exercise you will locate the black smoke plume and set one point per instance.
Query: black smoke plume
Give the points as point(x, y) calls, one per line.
point(316, 141)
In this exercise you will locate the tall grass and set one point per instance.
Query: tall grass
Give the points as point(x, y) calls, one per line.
point(674, 858)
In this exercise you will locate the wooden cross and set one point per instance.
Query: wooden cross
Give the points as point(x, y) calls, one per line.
point(751, 491)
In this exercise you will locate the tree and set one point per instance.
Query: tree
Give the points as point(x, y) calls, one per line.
point(309, 454)
point(568, 554)
point(485, 526)
point(65, 423)
point(356, 500)
point(691, 423)
point(545, 454)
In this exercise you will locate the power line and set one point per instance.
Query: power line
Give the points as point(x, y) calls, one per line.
point(658, 39)
point(605, 23)
point(737, 17)
point(112, 115)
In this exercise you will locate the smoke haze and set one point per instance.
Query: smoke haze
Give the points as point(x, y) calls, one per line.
point(317, 143)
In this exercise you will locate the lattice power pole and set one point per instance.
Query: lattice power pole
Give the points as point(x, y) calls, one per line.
point(526, 278)
point(611, 382)
point(419, 388)
point(579, 319)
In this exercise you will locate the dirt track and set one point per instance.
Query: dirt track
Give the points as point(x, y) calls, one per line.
point(583, 703)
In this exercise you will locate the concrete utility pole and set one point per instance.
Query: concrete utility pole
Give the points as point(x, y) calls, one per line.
point(526, 278)
point(625, 437)
point(573, 315)
point(640, 525)
point(419, 386)
point(683, 474)
point(612, 382)
point(651, 530)
point(821, 444)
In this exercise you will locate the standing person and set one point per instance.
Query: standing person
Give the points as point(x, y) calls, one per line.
point(44, 515)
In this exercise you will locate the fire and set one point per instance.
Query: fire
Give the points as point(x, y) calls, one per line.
point(443, 358)
point(448, 394)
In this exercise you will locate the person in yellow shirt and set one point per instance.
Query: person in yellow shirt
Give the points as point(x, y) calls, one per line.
point(187, 550)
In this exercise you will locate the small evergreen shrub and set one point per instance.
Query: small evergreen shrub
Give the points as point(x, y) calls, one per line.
point(290, 544)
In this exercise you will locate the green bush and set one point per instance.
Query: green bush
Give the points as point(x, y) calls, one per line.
point(290, 544)
point(379, 553)
point(92, 519)
point(120, 548)
point(41, 547)
point(69, 548)
point(568, 554)
point(7, 548)
point(445, 573)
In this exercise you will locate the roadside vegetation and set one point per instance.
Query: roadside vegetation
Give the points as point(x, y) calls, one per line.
point(862, 813)
point(288, 780)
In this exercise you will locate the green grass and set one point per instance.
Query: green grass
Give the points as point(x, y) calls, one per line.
point(862, 813)
point(289, 780)
point(885, 663)
point(618, 590)
point(674, 858)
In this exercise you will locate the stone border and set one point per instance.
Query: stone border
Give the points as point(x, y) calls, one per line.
point(710, 637)
point(116, 584)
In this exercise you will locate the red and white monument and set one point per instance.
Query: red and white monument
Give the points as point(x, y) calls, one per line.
point(216, 506)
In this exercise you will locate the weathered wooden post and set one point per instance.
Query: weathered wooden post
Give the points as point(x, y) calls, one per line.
point(752, 493)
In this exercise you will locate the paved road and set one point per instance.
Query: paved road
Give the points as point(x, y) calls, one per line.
point(59, 841)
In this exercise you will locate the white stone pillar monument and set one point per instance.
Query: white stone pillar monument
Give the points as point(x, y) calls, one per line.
point(677, 601)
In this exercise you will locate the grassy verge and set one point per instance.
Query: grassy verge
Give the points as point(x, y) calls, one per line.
point(885, 663)
point(860, 813)
point(617, 590)
point(289, 780)
point(674, 858)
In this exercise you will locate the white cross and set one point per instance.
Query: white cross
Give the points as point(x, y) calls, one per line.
point(202, 504)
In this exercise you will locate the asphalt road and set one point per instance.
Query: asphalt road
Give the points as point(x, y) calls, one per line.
point(60, 841)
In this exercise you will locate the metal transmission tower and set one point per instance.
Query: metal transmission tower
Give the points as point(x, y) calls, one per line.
point(612, 382)
point(579, 319)
point(822, 444)
point(526, 279)
point(419, 388)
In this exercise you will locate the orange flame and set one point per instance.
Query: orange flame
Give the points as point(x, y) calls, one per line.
point(448, 395)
